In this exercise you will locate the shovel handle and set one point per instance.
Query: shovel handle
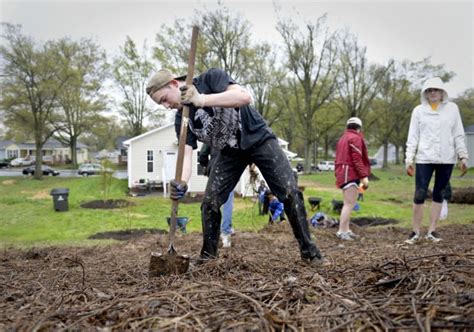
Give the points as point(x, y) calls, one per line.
point(182, 136)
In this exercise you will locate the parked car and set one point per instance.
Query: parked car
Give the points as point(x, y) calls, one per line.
point(48, 160)
point(92, 169)
point(25, 161)
point(46, 170)
point(315, 168)
point(299, 167)
point(326, 165)
point(5, 163)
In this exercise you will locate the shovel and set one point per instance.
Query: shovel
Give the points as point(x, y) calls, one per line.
point(171, 262)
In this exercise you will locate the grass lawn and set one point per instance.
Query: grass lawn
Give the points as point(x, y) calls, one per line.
point(28, 219)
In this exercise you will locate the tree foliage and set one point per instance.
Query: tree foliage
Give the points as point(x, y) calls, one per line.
point(131, 71)
point(32, 78)
point(103, 133)
point(359, 81)
point(264, 80)
point(311, 55)
point(305, 87)
point(466, 107)
point(80, 101)
point(389, 116)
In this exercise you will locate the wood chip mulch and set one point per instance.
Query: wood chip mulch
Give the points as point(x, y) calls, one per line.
point(260, 284)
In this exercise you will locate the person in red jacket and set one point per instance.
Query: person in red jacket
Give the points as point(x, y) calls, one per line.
point(352, 169)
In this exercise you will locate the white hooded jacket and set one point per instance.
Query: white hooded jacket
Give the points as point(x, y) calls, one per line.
point(435, 137)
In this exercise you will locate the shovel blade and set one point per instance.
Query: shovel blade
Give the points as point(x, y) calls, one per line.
point(169, 263)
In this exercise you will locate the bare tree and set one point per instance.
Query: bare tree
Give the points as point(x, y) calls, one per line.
point(225, 42)
point(131, 70)
point(392, 109)
point(264, 80)
point(359, 82)
point(311, 55)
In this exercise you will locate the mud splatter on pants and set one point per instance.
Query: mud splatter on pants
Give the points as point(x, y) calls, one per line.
point(276, 169)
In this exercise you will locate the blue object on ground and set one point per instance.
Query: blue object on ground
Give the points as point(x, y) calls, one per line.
point(180, 223)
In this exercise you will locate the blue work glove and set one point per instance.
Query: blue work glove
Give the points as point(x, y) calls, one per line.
point(177, 189)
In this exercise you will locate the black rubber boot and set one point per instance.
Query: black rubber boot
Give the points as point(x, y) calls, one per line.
point(211, 225)
point(294, 209)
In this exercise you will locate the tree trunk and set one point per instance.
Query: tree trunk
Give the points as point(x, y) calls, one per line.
point(385, 154)
point(326, 147)
point(39, 145)
point(316, 147)
point(307, 159)
point(73, 145)
point(397, 155)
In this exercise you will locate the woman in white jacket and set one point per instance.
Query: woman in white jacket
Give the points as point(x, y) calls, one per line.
point(435, 143)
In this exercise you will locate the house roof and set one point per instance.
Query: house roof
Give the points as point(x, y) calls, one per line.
point(4, 144)
point(282, 141)
point(50, 144)
point(119, 141)
point(289, 154)
point(469, 129)
point(151, 132)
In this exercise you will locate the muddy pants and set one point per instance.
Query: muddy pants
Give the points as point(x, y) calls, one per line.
point(275, 168)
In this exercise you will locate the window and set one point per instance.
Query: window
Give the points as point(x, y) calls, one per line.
point(12, 154)
point(149, 161)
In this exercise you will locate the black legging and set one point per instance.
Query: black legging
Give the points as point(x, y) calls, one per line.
point(424, 172)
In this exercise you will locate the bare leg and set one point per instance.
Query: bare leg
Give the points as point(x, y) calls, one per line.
point(418, 217)
point(434, 216)
point(350, 196)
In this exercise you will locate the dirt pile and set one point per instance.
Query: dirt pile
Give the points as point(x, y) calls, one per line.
point(458, 195)
point(107, 204)
point(463, 196)
point(258, 284)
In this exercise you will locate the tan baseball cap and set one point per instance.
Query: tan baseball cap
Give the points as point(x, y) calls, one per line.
point(159, 80)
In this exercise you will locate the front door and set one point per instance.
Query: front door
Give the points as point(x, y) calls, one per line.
point(169, 165)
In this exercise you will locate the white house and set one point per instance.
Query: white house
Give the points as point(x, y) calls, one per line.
point(152, 158)
point(52, 151)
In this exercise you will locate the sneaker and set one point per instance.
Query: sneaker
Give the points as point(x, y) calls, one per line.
point(433, 237)
point(225, 240)
point(414, 237)
point(344, 236)
point(352, 235)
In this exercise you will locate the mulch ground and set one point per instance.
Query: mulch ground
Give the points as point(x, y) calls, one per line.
point(374, 283)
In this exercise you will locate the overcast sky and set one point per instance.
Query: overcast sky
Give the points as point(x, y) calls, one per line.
point(400, 29)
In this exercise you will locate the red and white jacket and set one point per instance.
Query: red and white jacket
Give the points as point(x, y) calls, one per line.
point(352, 159)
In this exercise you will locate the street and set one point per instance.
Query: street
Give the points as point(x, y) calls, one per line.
point(120, 174)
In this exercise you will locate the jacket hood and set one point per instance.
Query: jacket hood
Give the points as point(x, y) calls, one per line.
point(435, 83)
